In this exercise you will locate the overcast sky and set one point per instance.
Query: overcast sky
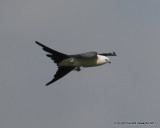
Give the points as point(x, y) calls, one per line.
point(128, 90)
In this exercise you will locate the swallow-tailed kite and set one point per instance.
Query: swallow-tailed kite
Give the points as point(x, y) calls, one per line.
point(67, 63)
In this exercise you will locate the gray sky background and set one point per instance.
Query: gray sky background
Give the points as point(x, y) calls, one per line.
point(127, 90)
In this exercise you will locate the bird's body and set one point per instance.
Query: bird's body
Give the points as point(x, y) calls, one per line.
point(67, 63)
point(84, 62)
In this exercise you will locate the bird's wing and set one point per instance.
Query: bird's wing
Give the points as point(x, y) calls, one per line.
point(86, 55)
point(55, 55)
point(108, 54)
point(62, 71)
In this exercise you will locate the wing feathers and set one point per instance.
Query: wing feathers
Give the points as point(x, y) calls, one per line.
point(55, 55)
point(62, 71)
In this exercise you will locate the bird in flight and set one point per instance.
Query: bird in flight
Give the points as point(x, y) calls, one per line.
point(67, 63)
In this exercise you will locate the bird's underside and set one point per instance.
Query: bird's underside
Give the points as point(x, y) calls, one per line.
point(67, 63)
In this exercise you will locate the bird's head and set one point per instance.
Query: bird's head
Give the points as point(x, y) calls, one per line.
point(107, 60)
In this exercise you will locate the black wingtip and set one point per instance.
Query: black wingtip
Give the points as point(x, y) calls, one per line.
point(52, 81)
point(36, 42)
point(48, 84)
point(39, 43)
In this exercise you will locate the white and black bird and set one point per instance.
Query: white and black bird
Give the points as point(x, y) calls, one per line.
point(67, 63)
